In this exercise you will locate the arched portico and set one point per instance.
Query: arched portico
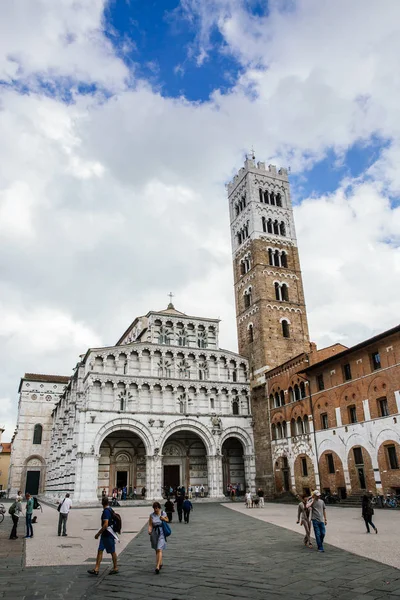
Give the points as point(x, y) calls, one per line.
point(33, 475)
point(184, 461)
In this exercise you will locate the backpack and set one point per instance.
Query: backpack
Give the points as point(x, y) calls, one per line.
point(187, 506)
point(116, 522)
point(12, 508)
point(36, 504)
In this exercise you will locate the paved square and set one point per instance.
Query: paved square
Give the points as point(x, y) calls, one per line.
point(222, 554)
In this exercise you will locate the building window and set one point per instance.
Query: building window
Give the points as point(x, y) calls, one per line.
point(212, 404)
point(330, 463)
point(285, 292)
point(324, 421)
point(264, 224)
point(376, 361)
point(285, 329)
point(358, 457)
point(284, 259)
point(37, 434)
point(302, 389)
point(304, 467)
point(352, 414)
point(251, 333)
point(320, 382)
point(392, 457)
point(347, 372)
point(235, 407)
point(383, 407)
point(270, 257)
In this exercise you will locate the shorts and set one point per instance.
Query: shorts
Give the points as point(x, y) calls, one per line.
point(107, 544)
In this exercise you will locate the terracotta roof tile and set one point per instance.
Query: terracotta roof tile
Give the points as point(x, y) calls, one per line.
point(52, 378)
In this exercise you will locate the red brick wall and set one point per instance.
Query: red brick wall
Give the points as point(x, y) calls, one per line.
point(332, 481)
point(390, 478)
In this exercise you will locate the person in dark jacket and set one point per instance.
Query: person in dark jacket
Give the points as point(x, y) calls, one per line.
point(187, 507)
point(367, 512)
point(179, 505)
point(169, 509)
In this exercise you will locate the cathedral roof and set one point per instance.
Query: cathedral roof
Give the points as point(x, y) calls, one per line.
point(171, 310)
point(51, 378)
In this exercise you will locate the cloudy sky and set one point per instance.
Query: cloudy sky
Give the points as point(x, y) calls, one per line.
point(120, 123)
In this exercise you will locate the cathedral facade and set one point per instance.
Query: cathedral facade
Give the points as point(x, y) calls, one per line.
point(164, 406)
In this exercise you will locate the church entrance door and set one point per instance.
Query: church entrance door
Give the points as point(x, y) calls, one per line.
point(171, 476)
point(32, 482)
point(122, 479)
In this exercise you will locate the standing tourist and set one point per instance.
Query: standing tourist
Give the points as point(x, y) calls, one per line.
point(134, 493)
point(28, 515)
point(260, 494)
point(15, 511)
point(107, 540)
point(367, 512)
point(187, 507)
point(318, 518)
point(143, 493)
point(249, 499)
point(169, 509)
point(196, 491)
point(63, 512)
point(156, 533)
point(202, 491)
point(303, 517)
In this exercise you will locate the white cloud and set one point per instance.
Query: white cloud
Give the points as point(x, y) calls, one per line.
point(109, 204)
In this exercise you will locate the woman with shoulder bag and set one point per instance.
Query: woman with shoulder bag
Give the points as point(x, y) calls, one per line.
point(156, 533)
point(367, 512)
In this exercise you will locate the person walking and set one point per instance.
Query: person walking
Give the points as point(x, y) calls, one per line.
point(15, 511)
point(318, 518)
point(63, 511)
point(169, 509)
point(156, 533)
point(260, 494)
point(107, 540)
point(303, 517)
point(179, 500)
point(187, 507)
point(367, 512)
point(28, 515)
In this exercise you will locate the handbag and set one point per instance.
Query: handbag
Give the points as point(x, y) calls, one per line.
point(166, 529)
point(60, 505)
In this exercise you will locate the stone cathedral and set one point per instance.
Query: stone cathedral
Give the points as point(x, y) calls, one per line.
point(167, 406)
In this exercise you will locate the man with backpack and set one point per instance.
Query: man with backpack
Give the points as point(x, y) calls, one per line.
point(15, 511)
point(110, 523)
point(63, 509)
point(187, 507)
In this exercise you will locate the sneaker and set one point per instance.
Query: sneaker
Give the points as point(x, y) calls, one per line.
point(321, 550)
point(93, 572)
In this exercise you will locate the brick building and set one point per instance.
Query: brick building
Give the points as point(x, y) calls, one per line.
point(322, 418)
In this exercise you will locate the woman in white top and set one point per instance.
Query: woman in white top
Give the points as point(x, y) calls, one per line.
point(304, 518)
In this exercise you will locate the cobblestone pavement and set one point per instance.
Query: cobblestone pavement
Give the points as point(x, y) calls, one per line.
point(220, 555)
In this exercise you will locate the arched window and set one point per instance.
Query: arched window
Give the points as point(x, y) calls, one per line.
point(271, 401)
point(277, 291)
point(202, 339)
point(279, 200)
point(284, 429)
point(269, 226)
point(285, 292)
point(293, 432)
point(282, 228)
point(264, 224)
point(291, 395)
point(302, 389)
point(306, 426)
point(272, 198)
point(260, 192)
point(279, 431)
point(212, 404)
point(122, 401)
point(251, 333)
point(277, 400)
point(266, 197)
point(37, 434)
point(296, 392)
point(182, 338)
point(276, 258)
point(299, 425)
point(235, 407)
point(284, 259)
point(285, 329)
point(270, 257)
point(282, 394)
point(234, 376)
point(273, 432)
point(276, 228)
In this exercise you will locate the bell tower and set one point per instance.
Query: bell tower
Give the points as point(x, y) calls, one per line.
point(270, 307)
